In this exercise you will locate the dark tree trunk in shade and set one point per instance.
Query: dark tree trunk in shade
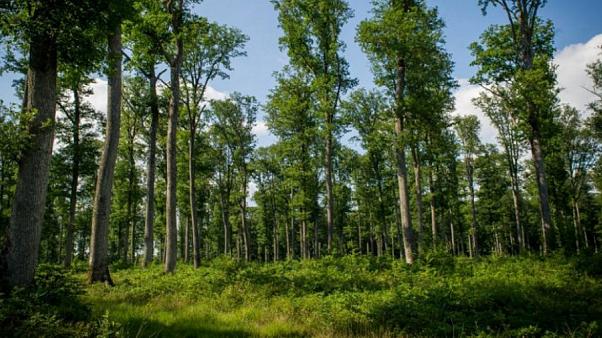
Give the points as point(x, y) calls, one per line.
point(29, 202)
point(74, 178)
point(149, 219)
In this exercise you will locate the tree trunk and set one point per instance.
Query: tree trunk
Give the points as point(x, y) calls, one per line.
point(149, 220)
point(130, 200)
point(99, 265)
point(329, 185)
point(192, 195)
point(474, 247)
point(226, 223)
point(576, 226)
point(172, 127)
point(29, 202)
point(74, 179)
point(542, 188)
point(578, 212)
point(402, 172)
point(418, 189)
point(433, 208)
point(244, 226)
point(517, 221)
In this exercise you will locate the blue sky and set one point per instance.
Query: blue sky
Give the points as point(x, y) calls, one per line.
point(578, 34)
point(576, 21)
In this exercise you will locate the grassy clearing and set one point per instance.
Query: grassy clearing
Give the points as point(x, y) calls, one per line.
point(357, 296)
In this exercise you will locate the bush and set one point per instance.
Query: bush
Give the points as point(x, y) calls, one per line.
point(51, 307)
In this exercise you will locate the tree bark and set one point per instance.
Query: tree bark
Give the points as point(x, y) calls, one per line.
point(29, 202)
point(151, 164)
point(542, 188)
point(474, 247)
point(402, 172)
point(74, 178)
point(99, 265)
point(329, 186)
point(226, 223)
point(418, 189)
point(192, 197)
point(433, 208)
point(172, 127)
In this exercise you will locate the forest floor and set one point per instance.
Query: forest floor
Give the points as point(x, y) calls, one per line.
point(358, 296)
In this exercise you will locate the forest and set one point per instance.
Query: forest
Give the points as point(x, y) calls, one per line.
point(376, 212)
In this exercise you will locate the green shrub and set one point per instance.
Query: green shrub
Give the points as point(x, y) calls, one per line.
point(51, 307)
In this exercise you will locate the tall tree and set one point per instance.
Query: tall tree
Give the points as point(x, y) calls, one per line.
point(581, 151)
point(366, 112)
point(43, 27)
point(99, 264)
point(519, 54)
point(467, 129)
point(144, 59)
point(209, 51)
point(511, 138)
point(234, 119)
point(291, 116)
point(79, 118)
point(312, 30)
point(404, 43)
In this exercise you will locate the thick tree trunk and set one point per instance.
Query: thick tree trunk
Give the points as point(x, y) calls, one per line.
point(542, 188)
point(74, 179)
point(99, 264)
point(402, 172)
point(149, 219)
point(404, 199)
point(29, 202)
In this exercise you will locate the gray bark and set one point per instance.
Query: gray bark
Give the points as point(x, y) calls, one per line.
point(172, 127)
point(402, 171)
point(99, 265)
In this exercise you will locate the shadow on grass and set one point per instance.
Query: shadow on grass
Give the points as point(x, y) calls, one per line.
point(143, 327)
point(495, 308)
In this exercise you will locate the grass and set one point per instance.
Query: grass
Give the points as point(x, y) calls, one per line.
point(357, 296)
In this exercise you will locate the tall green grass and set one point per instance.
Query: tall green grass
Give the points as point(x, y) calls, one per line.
point(358, 296)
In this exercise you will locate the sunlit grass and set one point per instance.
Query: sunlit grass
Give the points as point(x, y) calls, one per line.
point(355, 296)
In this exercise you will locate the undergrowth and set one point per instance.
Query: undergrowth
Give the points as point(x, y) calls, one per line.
point(358, 296)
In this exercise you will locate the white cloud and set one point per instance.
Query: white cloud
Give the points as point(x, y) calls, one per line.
point(572, 78)
point(464, 106)
point(214, 94)
point(264, 136)
point(98, 99)
point(260, 128)
point(572, 75)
